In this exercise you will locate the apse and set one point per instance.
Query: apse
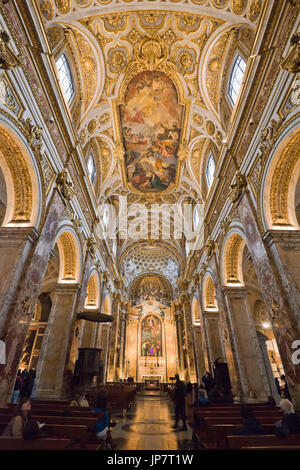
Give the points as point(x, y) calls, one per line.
point(151, 126)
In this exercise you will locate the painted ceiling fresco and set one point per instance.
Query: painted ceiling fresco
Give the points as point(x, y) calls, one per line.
point(150, 288)
point(151, 122)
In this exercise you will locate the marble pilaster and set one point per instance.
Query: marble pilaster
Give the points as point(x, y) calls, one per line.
point(284, 325)
point(285, 248)
point(248, 352)
point(227, 334)
point(21, 311)
point(201, 358)
point(51, 367)
point(16, 244)
point(187, 318)
point(214, 336)
point(114, 335)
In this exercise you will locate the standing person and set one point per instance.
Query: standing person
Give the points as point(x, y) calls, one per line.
point(17, 387)
point(25, 384)
point(285, 388)
point(179, 395)
point(31, 379)
point(189, 402)
point(277, 383)
point(208, 381)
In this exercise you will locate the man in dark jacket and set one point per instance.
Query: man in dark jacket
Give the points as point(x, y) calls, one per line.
point(179, 400)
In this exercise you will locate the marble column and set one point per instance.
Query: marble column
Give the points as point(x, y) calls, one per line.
point(285, 248)
point(262, 339)
point(227, 334)
point(51, 366)
point(284, 325)
point(22, 309)
point(15, 246)
point(214, 336)
point(250, 360)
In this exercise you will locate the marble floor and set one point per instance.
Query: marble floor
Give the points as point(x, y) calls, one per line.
point(147, 426)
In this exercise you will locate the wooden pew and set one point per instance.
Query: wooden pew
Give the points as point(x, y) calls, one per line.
point(90, 422)
point(265, 440)
point(52, 412)
point(15, 443)
point(219, 432)
point(120, 397)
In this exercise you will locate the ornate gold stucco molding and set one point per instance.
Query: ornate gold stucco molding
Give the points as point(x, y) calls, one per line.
point(292, 62)
point(65, 187)
point(8, 59)
point(237, 188)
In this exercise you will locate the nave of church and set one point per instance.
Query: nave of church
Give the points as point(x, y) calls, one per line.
point(150, 211)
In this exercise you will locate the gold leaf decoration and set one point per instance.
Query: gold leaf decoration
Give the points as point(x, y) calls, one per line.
point(64, 6)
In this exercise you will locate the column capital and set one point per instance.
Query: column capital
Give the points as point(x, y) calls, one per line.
point(66, 287)
point(211, 314)
point(11, 234)
point(287, 239)
point(236, 292)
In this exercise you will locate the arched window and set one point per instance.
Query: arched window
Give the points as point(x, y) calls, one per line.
point(187, 248)
point(210, 170)
point(91, 168)
point(65, 76)
point(236, 78)
point(105, 217)
point(196, 217)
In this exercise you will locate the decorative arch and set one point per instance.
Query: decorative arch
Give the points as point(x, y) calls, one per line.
point(151, 285)
point(232, 255)
point(280, 184)
point(93, 291)
point(22, 187)
point(209, 294)
point(70, 257)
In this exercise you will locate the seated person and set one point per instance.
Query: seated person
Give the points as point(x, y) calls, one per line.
point(22, 424)
point(202, 400)
point(250, 424)
point(271, 401)
point(80, 400)
point(103, 423)
point(290, 423)
point(214, 395)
